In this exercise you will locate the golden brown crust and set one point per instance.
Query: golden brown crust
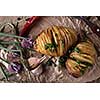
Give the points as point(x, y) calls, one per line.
point(81, 59)
point(72, 69)
point(86, 48)
point(65, 38)
point(57, 38)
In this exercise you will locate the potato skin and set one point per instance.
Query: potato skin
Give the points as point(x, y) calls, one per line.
point(55, 40)
point(81, 59)
point(72, 69)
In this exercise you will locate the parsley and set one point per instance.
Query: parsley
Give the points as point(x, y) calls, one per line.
point(77, 50)
point(78, 62)
point(51, 46)
point(63, 59)
point(63, 43)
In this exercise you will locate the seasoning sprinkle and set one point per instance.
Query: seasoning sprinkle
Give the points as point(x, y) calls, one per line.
point(51, 46)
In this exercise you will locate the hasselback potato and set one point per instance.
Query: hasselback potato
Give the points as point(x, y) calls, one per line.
point(55, 40)
point(81, 59)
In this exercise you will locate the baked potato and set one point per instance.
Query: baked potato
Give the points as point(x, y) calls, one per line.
point(55, 40)
point(81, 59)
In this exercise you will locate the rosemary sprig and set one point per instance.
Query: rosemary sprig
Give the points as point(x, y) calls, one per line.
point(6, 42)
point(4, 60)
point(11, 35)
point(23, 61)
point(19, 49)
point(8, 75)
point(6, 49)
point(4, 73)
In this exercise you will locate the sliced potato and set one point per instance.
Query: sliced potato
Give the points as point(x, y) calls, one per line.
point(63, 33)
point(72, 69)
point(87, 49)
point(82, 59)
point(79, 57)
point(58, 38)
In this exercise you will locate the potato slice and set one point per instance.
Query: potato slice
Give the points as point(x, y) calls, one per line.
point(72, 69)
point(63, 33)
point(88, 57)
point(58, 38)
point(69, 36)
point(78, 56)
point(84, 56)
point(74, 33)
point(87, 49)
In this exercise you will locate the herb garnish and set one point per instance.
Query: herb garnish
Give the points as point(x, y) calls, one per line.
point(76, 49)
point(78, 62)
point(51, 46)
point(82, 62)
point(63, 59)
point(63, 43)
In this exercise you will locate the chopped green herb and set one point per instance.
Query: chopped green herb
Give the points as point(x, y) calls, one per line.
point(78, 62)
point(87, 64)
point(81, 62)
point(63, 59)
point(77, 50)
point(63, 43)
point(51, 46)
